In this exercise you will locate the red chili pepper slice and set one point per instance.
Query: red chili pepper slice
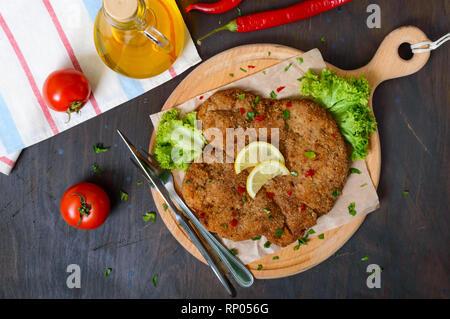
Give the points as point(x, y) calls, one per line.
point(288, 104)
point(281, 88)
point(259, 118)
point(234, 222)
point(309, 173)
point(271, 195)
point(201, 97)
point(241, 190)
point(303, 208)
point(289, 192)
point(242, 111)
point(251, 66)
point(332, 135)
point(214, 8)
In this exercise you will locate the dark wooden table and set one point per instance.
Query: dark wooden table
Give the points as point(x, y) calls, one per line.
point(408, 236)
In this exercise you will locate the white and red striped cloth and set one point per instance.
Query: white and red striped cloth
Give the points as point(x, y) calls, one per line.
point(38, 37)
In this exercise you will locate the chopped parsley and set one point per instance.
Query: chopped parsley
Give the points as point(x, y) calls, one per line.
point(241, 96)
point(266, 211)
point(322, 39)
point(311, 231)
point(139, 183)
point(251, 115)
point(269, 53)
point(187, 182)
point(256, 238)
point(354, 170)
point(275, 258)
point(244, 199)
point(233, 251)
point(405, 192)
point(279, 233)
point(164, 206)
point(264, 72)
point(150, 216)
point(99, 148)
point(267, 244)
point(255, 102)
point(365, 184)
point(273, 95)
point(107, 272)
point(243, 70)
point(231, 75)
point(336, 193)
point(96, 169)
point(287, 67)
point(303, 240)
point(286, 114)
point(224, 226)
point(310, 155)
point(300, 60)
point(210, 180)
point(351, 209)
point(155, 279)
point(123, 196)
point(260, 267)
point(270, 217)
point(365, 258)
point(321, 236)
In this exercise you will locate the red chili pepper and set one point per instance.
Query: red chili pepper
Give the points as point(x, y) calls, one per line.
point(214, 8)
point(251, 66)
point(269, 19)
point(241, 190)
point(270, 194)
point(332, 135)
point(289, 192)
point(201, 97)
point(303, 208)
point(288, 104)
point(242, 111)
point(258, 118)
point(234, 222)
point(281, 88)
point(309, 173)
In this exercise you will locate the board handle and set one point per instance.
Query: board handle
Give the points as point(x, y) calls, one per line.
point(387, 63)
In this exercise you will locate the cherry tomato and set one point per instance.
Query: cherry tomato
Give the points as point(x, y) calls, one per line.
point(85, 206)
point(66, 90)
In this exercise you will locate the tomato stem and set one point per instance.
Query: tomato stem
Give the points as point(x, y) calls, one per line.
point(84, 209)
point(74, 107)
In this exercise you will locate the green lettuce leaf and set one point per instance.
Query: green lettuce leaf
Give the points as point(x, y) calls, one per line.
point(347, 100)
point(178, 141)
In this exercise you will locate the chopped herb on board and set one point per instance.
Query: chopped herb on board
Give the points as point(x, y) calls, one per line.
point(269, 53)
point(256, 238)
point(287, 67)
point(231, 75)
point(363, 185)
point(123, 196)
point(155, 279)
point(243, 70)
point(273, 95)
point(150, 216)
point(164, 206)
point(354, 170)
point(365, 258)
point(405, 192)
point(311, 231)
point(260, 267)
point(351, 209)
point(99, 148)
point(322, 39)
point(267, 244)
point(300, 60)
point(139, 183)
point(275, 258)
point(321, 236)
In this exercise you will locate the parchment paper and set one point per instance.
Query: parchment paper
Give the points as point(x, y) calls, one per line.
point(358, 189)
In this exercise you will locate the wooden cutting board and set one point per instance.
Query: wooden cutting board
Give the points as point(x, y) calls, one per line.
point(214, 73)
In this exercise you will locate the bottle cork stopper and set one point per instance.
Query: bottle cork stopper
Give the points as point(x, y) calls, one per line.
point(121, 10)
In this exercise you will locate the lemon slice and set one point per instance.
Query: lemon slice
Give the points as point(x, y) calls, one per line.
point(262, 173)
point(255, 153)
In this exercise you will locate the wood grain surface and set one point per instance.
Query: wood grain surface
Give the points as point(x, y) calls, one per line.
point(408, 235)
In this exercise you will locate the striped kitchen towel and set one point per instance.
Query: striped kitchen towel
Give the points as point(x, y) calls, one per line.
point(38, 37)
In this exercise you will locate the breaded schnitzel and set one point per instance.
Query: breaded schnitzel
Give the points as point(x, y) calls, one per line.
point(287, 205)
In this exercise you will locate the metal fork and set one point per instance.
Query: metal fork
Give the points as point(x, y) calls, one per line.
point(156, 175)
